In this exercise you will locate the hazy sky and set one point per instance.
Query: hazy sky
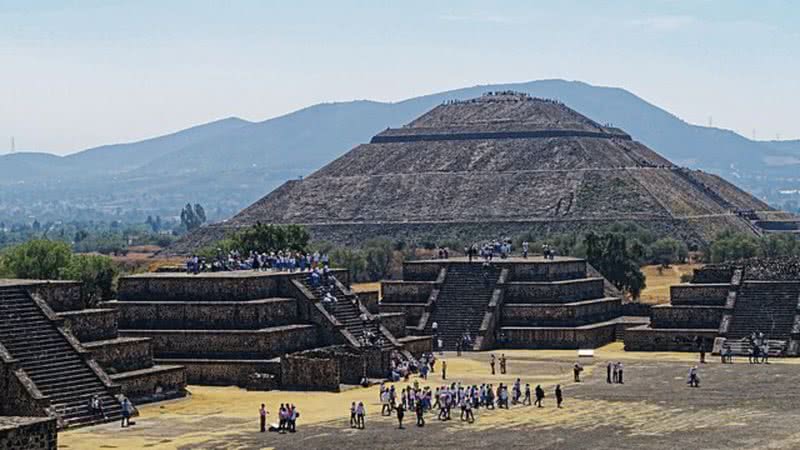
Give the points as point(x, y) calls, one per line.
point(76, 74)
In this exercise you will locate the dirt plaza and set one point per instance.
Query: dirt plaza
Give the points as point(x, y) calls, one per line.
point(737, 406)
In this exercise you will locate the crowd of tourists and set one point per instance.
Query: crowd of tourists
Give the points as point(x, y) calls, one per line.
point(287, 418)
point(446, 400)
point(281, 261)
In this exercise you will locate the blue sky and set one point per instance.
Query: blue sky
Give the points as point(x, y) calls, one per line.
point(75, 74)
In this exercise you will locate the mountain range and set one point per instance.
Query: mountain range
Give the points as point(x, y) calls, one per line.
point(227, 164)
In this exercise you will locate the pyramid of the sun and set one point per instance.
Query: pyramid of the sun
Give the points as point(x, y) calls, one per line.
point(499, 165)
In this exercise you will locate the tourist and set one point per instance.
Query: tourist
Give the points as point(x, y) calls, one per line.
point(96, 406)
point(559, 396)
point(765, 353)
point(492, 362)
point(401, 410)
point(527, 399)
point(294, 414)
point(386, 403)
point(353, 421)
point(360, 412)
point(576, 372)
point(608, 372)
point(470, 417)
point(127, 409)
point(435, 328)
point(525, 249)
point(694, 378)
point(444, 370)
point(262, 414)
point(619, 373)
point(516, 392)
point(503, 364)
point(539, 395)
point(282, 418)
point(420, 410)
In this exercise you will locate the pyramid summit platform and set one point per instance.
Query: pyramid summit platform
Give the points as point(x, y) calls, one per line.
point(502, 164)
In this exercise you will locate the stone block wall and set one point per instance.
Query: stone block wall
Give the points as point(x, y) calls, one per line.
point(215, 372)
point(145, 386)
point(573, 314)
point(205, 315)
point(555, 292)
point(299, 372)
point(395, 323)
point(28, 433)
point(417, 345)
point(406, 291)
point(682, 316)
point(412, 313)
point(370, 300)
point(547, 271)
point(559, 338)
point(121, 355)
point(60, 295)
point(245, 344)
point(91, 324)
point(647, 339)
point(699, 294)
point(185, 288)
point(421, 271)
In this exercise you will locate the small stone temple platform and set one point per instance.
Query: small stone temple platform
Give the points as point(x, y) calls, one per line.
point(255, 328)
point(724, 305)
point(511, 303)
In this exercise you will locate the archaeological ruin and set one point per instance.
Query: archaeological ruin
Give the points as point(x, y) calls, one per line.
point(724, 305)
point(502, 164)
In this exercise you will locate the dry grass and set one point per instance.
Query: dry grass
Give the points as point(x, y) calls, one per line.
point(366, 287)
point(659, 281)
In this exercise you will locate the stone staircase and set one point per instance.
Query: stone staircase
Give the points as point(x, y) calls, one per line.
point(766, 307)
point(347, 312)
point(52, 362)
point(462, 302)
point(742, 347)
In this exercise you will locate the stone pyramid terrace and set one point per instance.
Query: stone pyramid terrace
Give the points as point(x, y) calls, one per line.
point(530, 303)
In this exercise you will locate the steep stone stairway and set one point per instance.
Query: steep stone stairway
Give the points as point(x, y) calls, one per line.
point(48, 358)
point(462, 302)
point(347, 312)
point(766, 307)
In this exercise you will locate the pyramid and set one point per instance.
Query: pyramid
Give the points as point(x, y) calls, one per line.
point(499, 165)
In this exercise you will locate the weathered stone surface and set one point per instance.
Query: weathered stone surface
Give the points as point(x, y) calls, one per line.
point(497, 166)
point(554, 292)
point(700, 294)
point(28, 433)
point(91, 324)
point(258, 344)
point(246, 314)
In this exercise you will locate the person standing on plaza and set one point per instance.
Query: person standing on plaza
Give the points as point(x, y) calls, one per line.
point(401, 411)
point(492, 363)
point(559, 396)
point(539, 395)
point(262, 413)
point(503, 363)
point(444, 370)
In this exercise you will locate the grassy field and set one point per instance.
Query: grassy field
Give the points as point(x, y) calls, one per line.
point(659, 281)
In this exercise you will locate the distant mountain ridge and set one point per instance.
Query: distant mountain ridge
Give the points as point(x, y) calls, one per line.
point(229, 163)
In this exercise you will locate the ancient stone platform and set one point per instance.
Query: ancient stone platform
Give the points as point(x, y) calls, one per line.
point(519, 303)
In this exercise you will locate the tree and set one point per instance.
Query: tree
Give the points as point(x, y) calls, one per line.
point(378, 257)
point(733, 246)
point(97, 273)
point(667, 251)
point(192, 217)
point(350, 259)
point(271, 238)
point(38, 259)
point(609, 255)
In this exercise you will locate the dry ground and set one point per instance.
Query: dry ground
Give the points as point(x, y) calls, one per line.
point(654, 409)
point(659, 281)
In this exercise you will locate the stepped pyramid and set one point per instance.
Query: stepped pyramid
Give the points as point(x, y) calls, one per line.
point(499, 165)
